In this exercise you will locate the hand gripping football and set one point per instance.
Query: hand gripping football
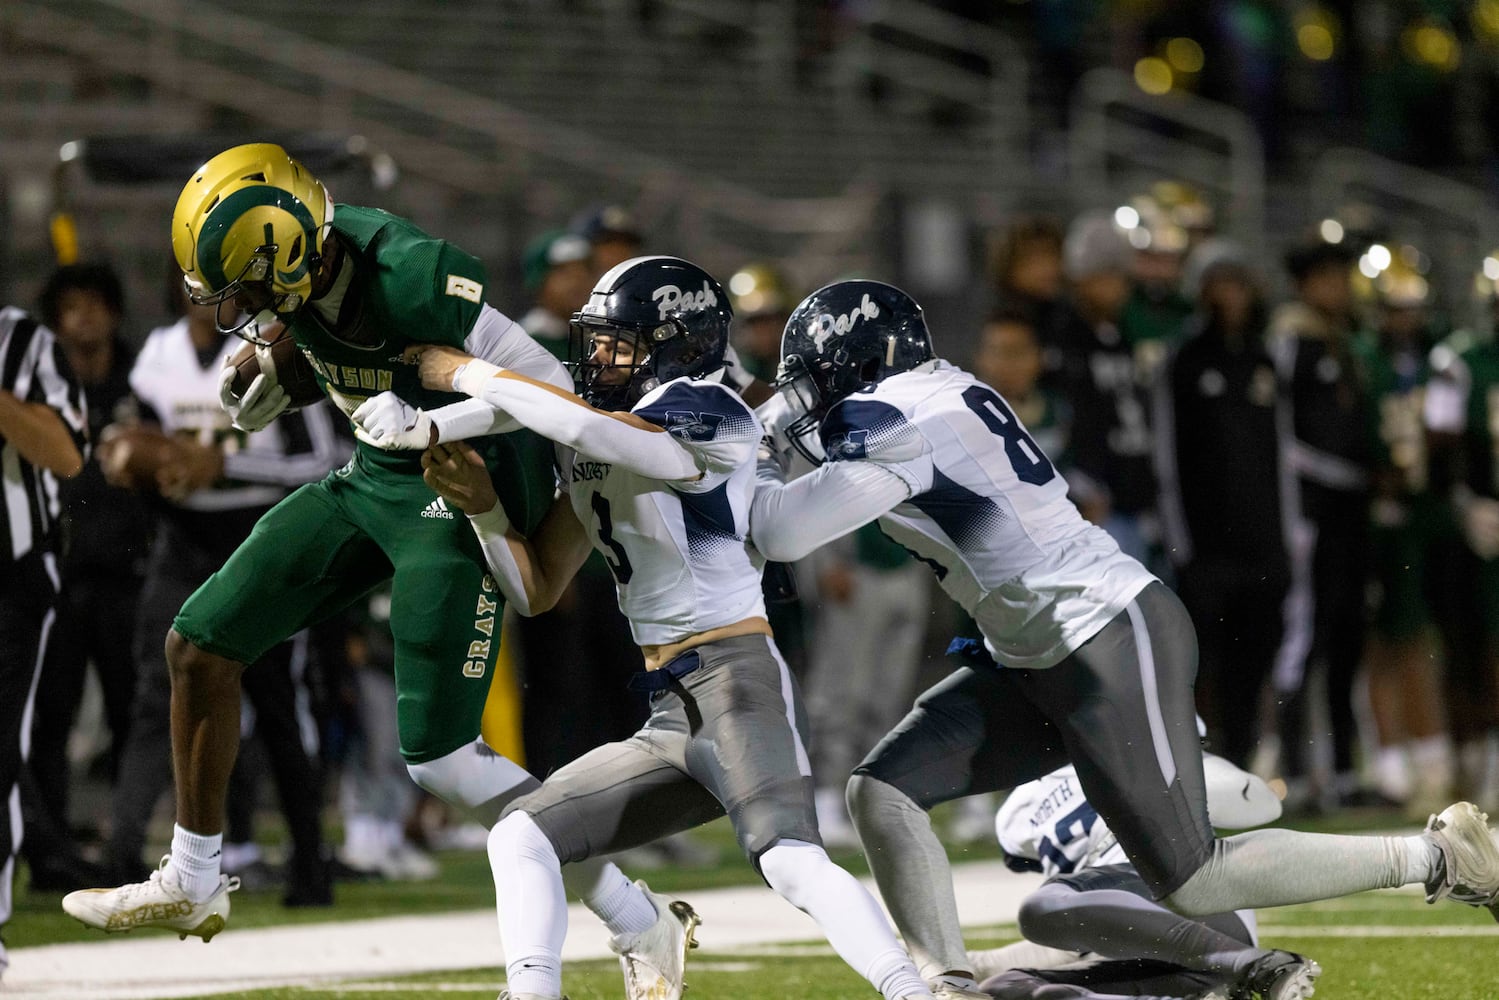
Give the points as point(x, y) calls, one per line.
point(292, 370)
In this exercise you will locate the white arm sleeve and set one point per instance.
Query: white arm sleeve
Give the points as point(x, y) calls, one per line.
point(491, 527)
point(790, 520)
point(500, 340)
point(575, 424)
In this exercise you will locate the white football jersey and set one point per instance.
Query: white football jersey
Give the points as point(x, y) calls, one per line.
point(172, 380)
point(988, 512)
point(1051, 822)
point(680, 551)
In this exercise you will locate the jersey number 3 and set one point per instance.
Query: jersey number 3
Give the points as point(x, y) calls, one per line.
point(620, 564)
point(1029, 461)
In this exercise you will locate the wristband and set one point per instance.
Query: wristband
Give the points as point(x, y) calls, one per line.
point(471, 376)
point(493, 523)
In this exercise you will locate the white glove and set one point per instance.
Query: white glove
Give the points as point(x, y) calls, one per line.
point(387, 421)
point(262, 402)
point(1480, 518)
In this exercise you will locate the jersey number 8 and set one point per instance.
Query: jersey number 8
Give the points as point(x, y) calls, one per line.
point(1029, 461)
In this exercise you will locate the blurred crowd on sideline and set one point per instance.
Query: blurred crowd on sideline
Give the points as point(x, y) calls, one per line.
point(1318, 478)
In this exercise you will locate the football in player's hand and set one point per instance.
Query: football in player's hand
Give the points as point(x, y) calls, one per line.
point(132, 456)
point(292, 370)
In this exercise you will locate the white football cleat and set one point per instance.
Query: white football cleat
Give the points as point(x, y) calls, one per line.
point(156, 902)
point(1279, 975)
point(1470, 858)
point(951, 991)
point(654, 960)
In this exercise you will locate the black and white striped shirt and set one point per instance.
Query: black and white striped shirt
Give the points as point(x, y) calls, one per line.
point(33, 369)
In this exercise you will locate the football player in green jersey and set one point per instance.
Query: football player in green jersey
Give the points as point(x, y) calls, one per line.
point(256, 234)
point(1462, 415)
point(1413, 765)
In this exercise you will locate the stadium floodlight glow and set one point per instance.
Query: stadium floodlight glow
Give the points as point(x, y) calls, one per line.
point(69, 151)
point(1126, 217)
point(1366, 267)
point(742, 283)
point(1491, 268)
point(1153, 75)
point(1315, 41)
point(1139, 238)
point(1184, 55)
point(1331, 230)
point(1379, 256)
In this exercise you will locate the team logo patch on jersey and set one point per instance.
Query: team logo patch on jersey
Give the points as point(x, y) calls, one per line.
point(848, 447)
point(690, 426)
point(438, 508)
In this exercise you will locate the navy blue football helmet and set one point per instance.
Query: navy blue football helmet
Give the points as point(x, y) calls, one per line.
point(670, 317)
point(843, 337)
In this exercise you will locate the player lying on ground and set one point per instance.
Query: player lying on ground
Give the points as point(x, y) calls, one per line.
point(1091, 929)
point(659, 480)
point(257, 234)
point(1085, 657)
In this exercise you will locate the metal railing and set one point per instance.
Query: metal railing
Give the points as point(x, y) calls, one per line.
point(1122, 138)
point(996, 94)
point(226, 59)
point(1447, 221)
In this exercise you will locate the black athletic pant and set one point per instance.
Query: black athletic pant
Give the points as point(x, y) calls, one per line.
point(96, 617)
point(575, 662)
point(28, 595)
point(176, 569)
point(1236, 608)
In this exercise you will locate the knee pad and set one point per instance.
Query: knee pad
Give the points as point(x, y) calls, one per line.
point(866, 794)
point(518, 837)
point(792, 868)
point(474, 779)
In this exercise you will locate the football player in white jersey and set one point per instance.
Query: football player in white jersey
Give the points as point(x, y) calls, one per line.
point(658, 472)
point(1084, 656)
point(1091, 927)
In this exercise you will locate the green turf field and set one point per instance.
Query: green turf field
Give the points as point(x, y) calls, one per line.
point(1376, 946)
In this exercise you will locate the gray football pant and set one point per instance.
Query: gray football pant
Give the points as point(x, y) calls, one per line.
point(1120, 709)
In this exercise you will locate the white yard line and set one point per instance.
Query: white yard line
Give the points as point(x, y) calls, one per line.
point(150, 965)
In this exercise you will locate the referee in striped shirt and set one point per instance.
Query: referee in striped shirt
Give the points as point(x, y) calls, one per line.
point(43, 437)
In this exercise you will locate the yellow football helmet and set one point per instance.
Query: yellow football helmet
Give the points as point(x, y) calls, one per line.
point(248, 231)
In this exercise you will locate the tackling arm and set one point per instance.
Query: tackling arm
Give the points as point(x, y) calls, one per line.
point(790, 520)
point(619, 438)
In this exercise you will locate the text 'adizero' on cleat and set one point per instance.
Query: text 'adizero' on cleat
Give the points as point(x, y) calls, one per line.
point(1470, 858)
point(156, 902)
point(1280, 975)
point(654, 961)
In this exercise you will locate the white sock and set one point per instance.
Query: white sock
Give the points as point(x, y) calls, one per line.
point(195, 862)
point(614, 899)
point(1422, 859)
point(532, 905)
point(849, 917)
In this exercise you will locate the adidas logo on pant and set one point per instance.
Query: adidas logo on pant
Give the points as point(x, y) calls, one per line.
point(438, 508)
